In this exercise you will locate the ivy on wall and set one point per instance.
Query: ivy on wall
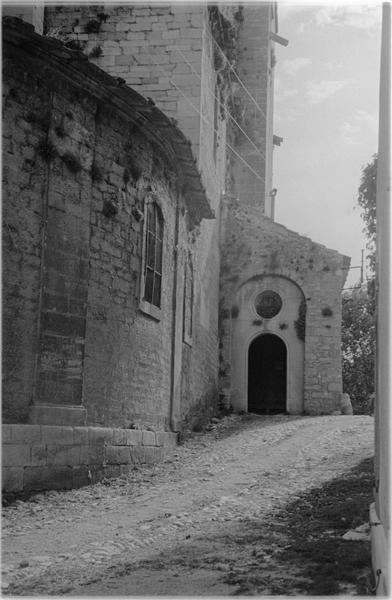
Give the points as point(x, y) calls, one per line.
point(300, 323)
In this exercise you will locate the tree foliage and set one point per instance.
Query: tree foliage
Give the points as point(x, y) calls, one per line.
point(358, 348)
point(367, 203)
point(358, 313)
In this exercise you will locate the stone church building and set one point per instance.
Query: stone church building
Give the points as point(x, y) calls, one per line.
point(146, 284)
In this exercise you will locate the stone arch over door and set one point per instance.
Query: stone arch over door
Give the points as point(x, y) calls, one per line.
point(281, 298)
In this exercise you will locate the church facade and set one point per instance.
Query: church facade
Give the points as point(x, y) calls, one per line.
point(146, 285)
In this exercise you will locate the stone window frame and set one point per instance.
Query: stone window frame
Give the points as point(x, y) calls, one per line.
point(260, 291)
point(188, 300)
point(146, 306)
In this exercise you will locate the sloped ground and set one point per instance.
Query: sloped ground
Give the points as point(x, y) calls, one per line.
point(256, 506)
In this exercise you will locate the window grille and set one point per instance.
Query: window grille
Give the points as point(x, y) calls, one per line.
point(153, 254)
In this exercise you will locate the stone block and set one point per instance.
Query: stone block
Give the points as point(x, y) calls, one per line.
point(197, 20)
point(99, 435)
point(93, 454)
point(25, 434)
point(117, 454)
point(47, 478)
point(56, 434)
point(138, 455)
point(46, 414)
point(141, 27)
point(134, 437)
point(111, 51)
point(62, 455)
point(119, 437)
point(122, 26)
point(12, 479)
point(81, 476)
point(334, 387)
point(149, 438)
point(16, 455)
point(80, 435)
point(146, 21)
point(106, 61)
point(38, 455)
point(172, 34)
point(6, 434)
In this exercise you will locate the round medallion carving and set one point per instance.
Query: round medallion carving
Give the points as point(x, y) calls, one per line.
point(268, 304)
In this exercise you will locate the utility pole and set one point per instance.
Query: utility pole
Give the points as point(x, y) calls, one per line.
point(380, 509)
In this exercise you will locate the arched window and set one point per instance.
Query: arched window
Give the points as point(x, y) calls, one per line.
point(153, 255)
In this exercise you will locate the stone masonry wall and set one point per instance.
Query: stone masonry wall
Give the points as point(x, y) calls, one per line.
point(77, 174)
point(253, 67)
point(256, 247)
point(25, 176)
point(166, 53)
point(67, 244)
point(41, 457)
point(101, 351)
point(127, 372)
point(147, 46)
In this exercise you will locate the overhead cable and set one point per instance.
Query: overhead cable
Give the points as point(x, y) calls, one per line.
point(237, 76)
point(221, 104)
point(167, 75)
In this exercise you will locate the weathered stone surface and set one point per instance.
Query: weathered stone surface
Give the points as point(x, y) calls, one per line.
point(92, 335)
point(16, 455)
point(17, 434)
point(57, 434)
point(117, 454)
point(44, 478)
point(57, 415)
point(148, 438)
point(80, 168)
point(62, 455)
point(12, 479)
point(256, 251)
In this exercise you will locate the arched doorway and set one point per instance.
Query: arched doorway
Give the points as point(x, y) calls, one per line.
point(267, 375)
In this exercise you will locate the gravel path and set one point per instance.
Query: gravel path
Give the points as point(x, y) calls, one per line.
point(169, 529)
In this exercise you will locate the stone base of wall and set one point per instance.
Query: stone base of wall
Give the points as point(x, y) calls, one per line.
point(50, 457)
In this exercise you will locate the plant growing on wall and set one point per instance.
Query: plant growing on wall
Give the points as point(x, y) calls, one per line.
point(75, 45)
point(225, 54)
point(96, 172)
point(47, 150)
point(72, 162)
point(300, 323)
point(92, 26)
point(96, 52)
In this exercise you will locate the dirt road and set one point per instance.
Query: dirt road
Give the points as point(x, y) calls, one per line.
point(188, 527)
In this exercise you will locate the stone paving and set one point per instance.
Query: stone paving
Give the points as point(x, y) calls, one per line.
point(245, 468)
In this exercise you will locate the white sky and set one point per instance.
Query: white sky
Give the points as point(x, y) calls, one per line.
point(326, 109)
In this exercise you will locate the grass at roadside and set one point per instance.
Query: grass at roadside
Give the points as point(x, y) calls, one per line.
point(316, 523)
